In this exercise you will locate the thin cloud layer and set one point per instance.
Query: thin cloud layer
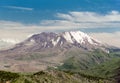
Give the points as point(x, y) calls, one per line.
point(112, 16)
point(18, 8)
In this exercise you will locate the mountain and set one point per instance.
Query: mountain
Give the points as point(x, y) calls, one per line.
point(66, 40)
point(48, 49)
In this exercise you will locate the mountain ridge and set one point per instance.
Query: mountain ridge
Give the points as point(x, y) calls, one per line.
point(66, 40)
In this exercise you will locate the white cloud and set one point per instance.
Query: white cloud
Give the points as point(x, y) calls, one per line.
point(6, 43)
point(79, 20)
point(12, 41)
point(18, 8)
point(90, 17)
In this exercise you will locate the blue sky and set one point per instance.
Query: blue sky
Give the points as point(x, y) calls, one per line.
point(99, 18)
point(45, 9)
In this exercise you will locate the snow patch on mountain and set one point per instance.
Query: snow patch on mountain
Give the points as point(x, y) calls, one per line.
point(78, 36)
point(55, 42)
point(67, 36)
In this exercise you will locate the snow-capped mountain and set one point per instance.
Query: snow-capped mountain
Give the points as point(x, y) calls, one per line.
point(48, 40)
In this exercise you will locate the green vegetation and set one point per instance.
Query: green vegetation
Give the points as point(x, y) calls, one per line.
point(8, 76)
point(50, 76)
point(105, 70)
point(76, 63)
point(99, 66)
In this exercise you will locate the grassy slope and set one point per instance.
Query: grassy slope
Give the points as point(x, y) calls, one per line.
point(77, 63)
point(51, 76)
point(106, 70)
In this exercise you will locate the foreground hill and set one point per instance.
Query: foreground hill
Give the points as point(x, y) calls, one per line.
point(50, 76)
